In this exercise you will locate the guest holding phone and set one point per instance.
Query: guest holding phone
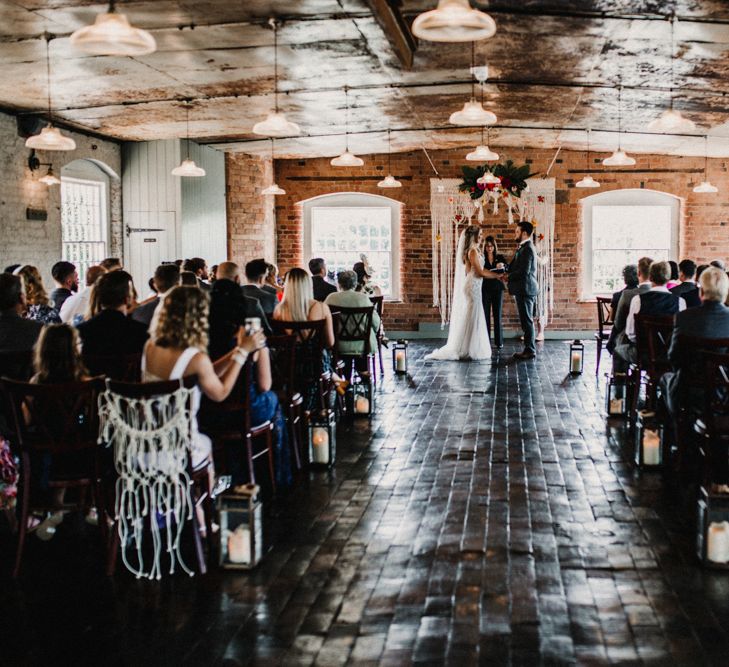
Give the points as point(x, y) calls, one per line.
point(492, 291)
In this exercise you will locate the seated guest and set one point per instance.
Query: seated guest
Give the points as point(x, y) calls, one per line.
point(364, 280)
point(17, 334)
point(674, 279)
point(66, 279)
point(318, 270)
point(199, 267)
point(74, 308)
point(656, 301)
point(687, 288)
point(630, 278)
point(166, 278)
point(621, 313)
point(111, 264)
point(709, 320)
point(110, 331)
point(271, 282)
point(255, 276)
point(189, 279)
point(347, 297)
point(36, 299)
point(229, 309)
point(718, 264)
point(213, 273)
point(699, 270)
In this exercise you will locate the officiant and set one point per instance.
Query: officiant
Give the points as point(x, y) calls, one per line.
point(492, 291)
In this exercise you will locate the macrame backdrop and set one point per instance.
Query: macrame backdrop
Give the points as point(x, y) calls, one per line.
point(451, 210)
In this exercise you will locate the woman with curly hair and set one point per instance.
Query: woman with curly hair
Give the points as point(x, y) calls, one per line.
point(39, 305)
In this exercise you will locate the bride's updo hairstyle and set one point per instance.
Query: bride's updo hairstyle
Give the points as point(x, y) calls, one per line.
point(470, 239)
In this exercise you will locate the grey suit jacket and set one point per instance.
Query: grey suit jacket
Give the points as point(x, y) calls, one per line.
point(16, 333)
point(621, 314)
point(523, 271)
point(267, 300)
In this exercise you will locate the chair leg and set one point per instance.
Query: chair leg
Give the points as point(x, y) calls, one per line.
point(251, 467)
point(293, 418)
point(599, 354)
point(24, 511)
point(379, 353)
point(198, 543)
point(271, 465)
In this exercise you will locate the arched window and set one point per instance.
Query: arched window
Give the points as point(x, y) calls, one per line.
point(84, 214)
point(620, 227)
point(342, 227)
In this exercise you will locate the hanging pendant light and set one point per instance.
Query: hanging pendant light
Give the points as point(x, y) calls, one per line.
point(705, 187)
point(483, 153)
point(276, 123)
point(389, 181)
point(273, 189)
point(488, 179)
point(112, 35)
point(346, 159)
point(453, 21)
point(50, 178)
point(619, 158)
point(187, 167)
point(672, 120)
point(473, 112)
point(50, 138)
point(587, 181)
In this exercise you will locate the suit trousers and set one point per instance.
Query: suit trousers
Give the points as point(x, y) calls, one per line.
point(525, 307)
point(492, 304)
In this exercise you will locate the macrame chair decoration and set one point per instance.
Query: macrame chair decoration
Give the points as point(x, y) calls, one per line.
point(152, 441)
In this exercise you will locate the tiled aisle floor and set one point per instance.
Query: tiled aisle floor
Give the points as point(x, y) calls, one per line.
point(487, 516)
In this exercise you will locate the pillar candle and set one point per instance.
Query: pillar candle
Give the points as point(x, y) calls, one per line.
point(651, 447)
point(616, 406)
point(362, 405)
point(239, 545)
point(400, 362)
point(320, 445)
point(717, 542)
point(576, 362)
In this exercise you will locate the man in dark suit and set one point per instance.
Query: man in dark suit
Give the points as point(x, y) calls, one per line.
point(617, 334)
point(199, 267)
point(318, 270)
point(166, 276)
point(522, 282)
point(256, 275)
point(229, 309)
point(16, 333)
point(688, 289)
point(111, 332)
point(709, 320)
point(65, 278)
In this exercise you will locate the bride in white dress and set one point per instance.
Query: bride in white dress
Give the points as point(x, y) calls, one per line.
point(468, 336)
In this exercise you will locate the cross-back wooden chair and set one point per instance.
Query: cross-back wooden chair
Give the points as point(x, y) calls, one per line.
point(716, 417)
point(379, 302)
point(605, 321)
point(353, 327)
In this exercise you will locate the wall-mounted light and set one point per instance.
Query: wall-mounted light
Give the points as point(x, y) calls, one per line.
point(49, 178)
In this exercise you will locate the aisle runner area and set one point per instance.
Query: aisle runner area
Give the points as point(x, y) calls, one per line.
point(487, 514)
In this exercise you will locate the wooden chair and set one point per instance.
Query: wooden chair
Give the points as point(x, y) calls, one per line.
point(282, 351)
point(55, 434)
point(353, 327)
point(716, 417)
point(16, 364)
point(121, 367)
point(605, 321)
point(379, 301)
point(199, 476)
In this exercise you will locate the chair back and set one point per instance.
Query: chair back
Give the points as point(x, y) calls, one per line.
point(309, 349)
point(282, 351)
point(652, 339)
point(121, 367)
point(716, 396)
point(379, 302)
point(605, 316)
point(54, 418)
point(693, 376)
point(354, 325)
point(16, 364)
point(230, 417)
point(310, 331)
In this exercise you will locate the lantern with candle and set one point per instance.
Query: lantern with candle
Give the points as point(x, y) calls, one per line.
point(713, 528)
point(241, 527)
point(648, 440)
point(616, 395)
point(577, 357)
point(363, 396)
point(322, 439)
point(400, 357)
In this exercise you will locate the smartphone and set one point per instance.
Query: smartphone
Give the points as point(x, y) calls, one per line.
point(252, 325)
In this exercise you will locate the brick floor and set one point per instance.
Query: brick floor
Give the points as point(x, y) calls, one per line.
point(487, 515)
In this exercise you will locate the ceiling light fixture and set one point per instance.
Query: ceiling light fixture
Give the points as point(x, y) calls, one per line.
point(488, 179)
point(346, 159)
point(276, 123)
point(273, 189)
point(619, 158)
point(453, 21)
point(473, 112)
point(389, 181)
point(483, 153)
point(187, 167)
point(671, 120)
point(587, 181)
point(705, 187)
point(50, 138)
point(112, 35)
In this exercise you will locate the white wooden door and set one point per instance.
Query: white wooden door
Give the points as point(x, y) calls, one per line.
point(150, 239)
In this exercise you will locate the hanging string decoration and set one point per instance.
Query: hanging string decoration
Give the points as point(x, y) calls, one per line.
point(537, 204)
point(152, 441)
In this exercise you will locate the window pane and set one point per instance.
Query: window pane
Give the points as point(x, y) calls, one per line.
point(83, 223)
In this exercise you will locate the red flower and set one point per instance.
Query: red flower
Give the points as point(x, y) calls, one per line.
point(540, 198)
point(473, 189)
point(481, 186)
point(490, 186)
point(541, 237)
point(506, 182)
point(458, 217)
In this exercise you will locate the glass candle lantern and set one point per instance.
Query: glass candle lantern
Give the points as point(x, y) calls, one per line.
point(322, 439)
point(648, 440)
point(616, 401)
point(577, 357)
point(363, 404)
point(400, 357)
point(241, 527)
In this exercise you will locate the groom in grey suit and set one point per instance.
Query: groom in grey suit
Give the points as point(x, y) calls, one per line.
point(522, 281)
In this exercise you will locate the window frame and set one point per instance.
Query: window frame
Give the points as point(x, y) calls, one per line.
point(359, 200)
point(624, 197)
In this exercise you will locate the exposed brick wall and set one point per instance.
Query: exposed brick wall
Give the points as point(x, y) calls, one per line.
point(251, 217)
point(704, 226)
point(39, 242)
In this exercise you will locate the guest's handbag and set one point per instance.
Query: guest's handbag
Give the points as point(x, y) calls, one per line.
point(8, 476)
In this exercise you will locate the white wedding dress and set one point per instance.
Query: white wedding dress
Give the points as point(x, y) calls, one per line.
point(468, 337)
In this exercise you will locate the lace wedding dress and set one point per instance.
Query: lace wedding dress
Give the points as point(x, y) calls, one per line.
point(468, 336)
